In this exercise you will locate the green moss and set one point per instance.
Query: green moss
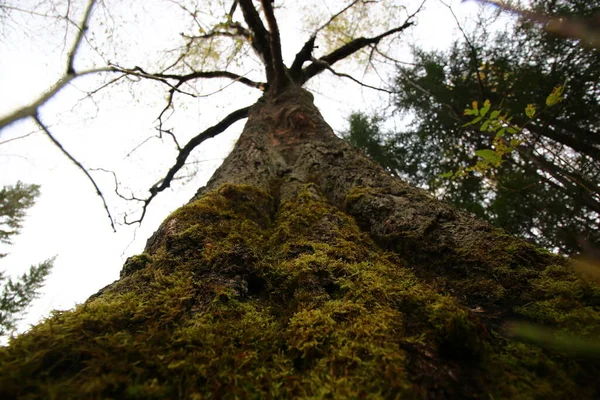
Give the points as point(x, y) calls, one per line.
point(135, 263)
point(238, 301)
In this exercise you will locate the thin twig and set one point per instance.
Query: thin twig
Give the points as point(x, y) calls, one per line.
point(78, 164)
point(341, 74)
point(475, 60)
point(130, 198)
point(17, 138)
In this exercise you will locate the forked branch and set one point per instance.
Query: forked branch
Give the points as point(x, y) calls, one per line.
point(346, 50)
point(261, 40)
point(280, 77)
point(139, 72)
point(184, 154)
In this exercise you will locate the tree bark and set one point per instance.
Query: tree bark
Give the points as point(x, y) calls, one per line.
point(303, 270)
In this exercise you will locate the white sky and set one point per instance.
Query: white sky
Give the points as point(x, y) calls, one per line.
point(68, 219)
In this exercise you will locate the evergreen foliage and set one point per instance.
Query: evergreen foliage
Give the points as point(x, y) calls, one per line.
point(17, 294)
point(546, 190)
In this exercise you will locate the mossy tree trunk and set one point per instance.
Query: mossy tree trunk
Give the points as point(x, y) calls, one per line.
point(303, 270)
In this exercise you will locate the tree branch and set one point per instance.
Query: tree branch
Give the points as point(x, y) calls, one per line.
point(343, 75)
point(82, 30)
point(260, 38)
point(280, 78)
point(78, 164)
point(233, 8)
point(70, 74)
point(305, 54)
point(137, 71)
point(32, 109)
point(184, 154)
point(235, 30)
point(475, 62)
point(346, 50)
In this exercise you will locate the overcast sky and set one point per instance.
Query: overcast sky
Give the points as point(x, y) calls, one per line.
point(68, 219)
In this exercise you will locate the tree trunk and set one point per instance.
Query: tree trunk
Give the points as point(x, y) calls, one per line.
point(303, 270)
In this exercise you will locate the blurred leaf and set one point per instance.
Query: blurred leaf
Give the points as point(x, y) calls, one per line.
point(530, 110)
point(488, 155)
point(486, 108)
point(556, 96)
point(476, 120)
point(484, 126)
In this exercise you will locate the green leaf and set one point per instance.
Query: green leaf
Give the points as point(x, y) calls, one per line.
point(511, 130)
point(486, 108)
point(484, 126)
point(494, 114)
point(476, 120)
point(555, 96)
point(530, 110)
point(515, 142)
point(500, 133)
point(447, 174)
point(488, 155)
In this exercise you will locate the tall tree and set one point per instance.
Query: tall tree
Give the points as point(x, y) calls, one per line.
point(303, 269)
point(546, 190)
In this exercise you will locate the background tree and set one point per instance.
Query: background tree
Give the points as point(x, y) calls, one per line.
point(546, 190)
point(17, 294)
point(303, 269)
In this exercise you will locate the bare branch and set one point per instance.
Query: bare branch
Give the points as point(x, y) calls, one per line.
point(235, 30)
point(82, 30)
point(137, 71)
point(280, 77)
point(70, 74)
point(395, 61)
point(37, 14)
point(305, 54)
point(122, 196)
point(18, 138)
point(341, 74)
point(260, 38)
point(32, 109)
point(233, 8)
point(475, 63)
point(184, 154)
point(334, 16)
point(345, 51)
point(78, 164)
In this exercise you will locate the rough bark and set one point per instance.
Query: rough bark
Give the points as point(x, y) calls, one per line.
point(303, 270)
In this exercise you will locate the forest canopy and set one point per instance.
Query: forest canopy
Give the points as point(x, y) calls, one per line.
point(545, 187)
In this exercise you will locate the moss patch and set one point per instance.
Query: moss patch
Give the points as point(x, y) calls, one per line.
point(240, 299)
